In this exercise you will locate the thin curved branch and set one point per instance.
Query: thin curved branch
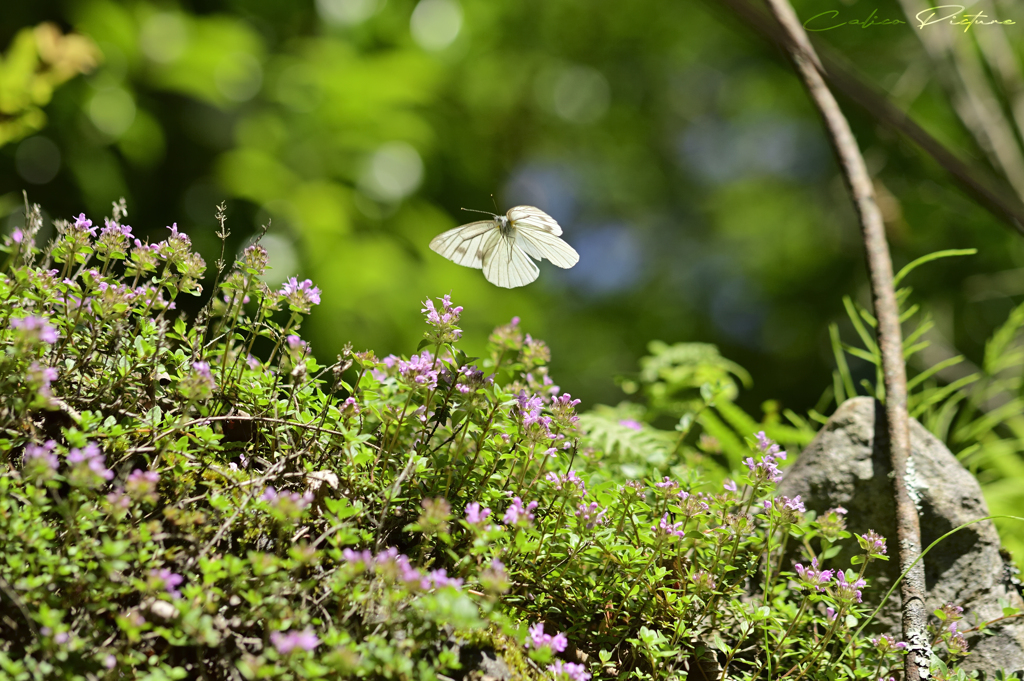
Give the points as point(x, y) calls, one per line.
point(890, 341)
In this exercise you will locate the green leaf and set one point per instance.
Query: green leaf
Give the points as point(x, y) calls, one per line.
point(914, 264)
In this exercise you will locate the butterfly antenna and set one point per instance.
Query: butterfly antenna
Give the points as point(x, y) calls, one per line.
point(474, 210)
point(494, 202)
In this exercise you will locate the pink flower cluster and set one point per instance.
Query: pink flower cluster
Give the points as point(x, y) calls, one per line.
point(813, 578)
point(592, 515)
point(35, 328)
point(444, 320)
point(517, 514)
point(300, 295)
point(570, 482)
point(568, 671)
point(287, 641)
point(667, 528)
point(766, 470)
point(872, 542)
point(848, 592)
point(538, 639)
point(397, 567)
point(89, 466)
point(476, 515)
point(166, 580)
point(42, 456)
point(419, 369)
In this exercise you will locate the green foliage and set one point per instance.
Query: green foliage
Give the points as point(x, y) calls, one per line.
point(202, 498)
point(691, 387)
point(976, 412)
point(38, 61)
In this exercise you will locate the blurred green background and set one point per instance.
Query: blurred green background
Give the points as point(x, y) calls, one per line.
point(676, 149)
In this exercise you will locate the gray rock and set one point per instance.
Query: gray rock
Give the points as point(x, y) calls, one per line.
point(845, 465)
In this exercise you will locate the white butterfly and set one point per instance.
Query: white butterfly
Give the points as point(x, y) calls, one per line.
point(500, 246)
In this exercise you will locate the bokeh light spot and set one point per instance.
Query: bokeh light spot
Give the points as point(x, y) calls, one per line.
point(37, 160)
point(164, 37)
point(435, 24)
point(394, 171)
point(347, 12)
point(239, 76)
point(112, 111)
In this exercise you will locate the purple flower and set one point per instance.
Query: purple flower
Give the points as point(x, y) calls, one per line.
point(569, 482)
point(845, 591)
point(591, 515)
point(811, 577)
point(872, 543)
point(439, 579)
point(288, 641)
point(538, 639)
point(113, 238)
point(729, 485)
point(362, 558)
point(570, 671)
point(444, 320)
point(166, 580)
point(142, 485)
point(495, 579)
point(952, 611)
point(794, 504)
point(830, 613)
point(957, 645)
point(119, 501)
point(768, 447)
point(789, 510)
point(631, 424)
point(765, 470)
point(419, 370)
point(475, 515)
point(517, 514)
point(34, 328)
point(199, 384)
point(886, 643)
point(83, 223)
point(88, 466)
point(667, 528)
point(180, 237)
point(703, 580)
point(564, 410)
point(349, 408)
point(537, 425)
point(301, 295)
point(290, 504)
point(294, 341)
point(41, 457)
point(41, 377)
point(396, 567)
point(667, 484)
point(255, 258)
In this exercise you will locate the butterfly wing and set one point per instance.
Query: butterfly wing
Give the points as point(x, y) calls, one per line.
point(534, 217)
point(505, 263)
point(465, 245)
point(544, 245)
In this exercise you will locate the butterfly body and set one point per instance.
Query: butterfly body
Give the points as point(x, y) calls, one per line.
point(504, 245)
